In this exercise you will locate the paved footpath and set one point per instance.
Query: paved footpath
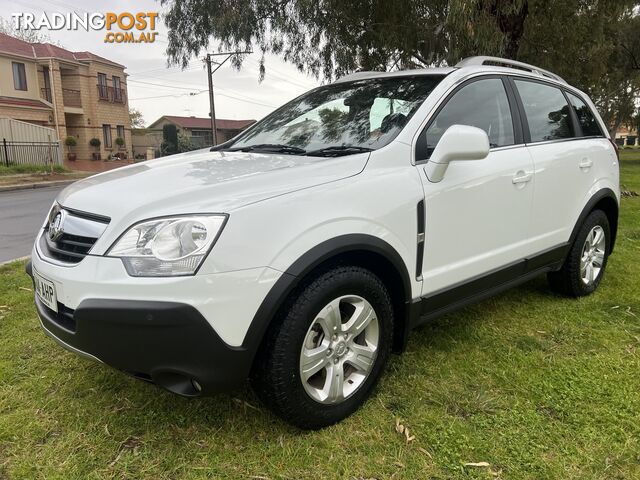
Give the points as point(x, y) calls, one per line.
point(22, 213)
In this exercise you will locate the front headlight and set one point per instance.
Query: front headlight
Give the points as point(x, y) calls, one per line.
point(167, 247)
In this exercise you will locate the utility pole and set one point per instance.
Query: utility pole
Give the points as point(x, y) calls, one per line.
point(210, 72)
point(212, 108)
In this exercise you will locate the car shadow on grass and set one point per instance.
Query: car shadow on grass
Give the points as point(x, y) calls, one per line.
point(135, 402)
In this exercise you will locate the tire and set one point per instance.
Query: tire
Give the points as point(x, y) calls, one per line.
point(287, 384)
point(574, 279)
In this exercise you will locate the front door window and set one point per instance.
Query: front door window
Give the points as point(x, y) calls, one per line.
point(483, 104)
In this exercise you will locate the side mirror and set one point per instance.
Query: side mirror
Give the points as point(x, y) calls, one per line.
point(459, 142)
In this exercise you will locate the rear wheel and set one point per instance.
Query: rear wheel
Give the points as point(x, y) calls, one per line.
point(327, 351)
point(586, 261)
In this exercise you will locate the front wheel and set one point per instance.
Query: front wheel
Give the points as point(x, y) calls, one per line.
point(326, 352)
point(586, 261)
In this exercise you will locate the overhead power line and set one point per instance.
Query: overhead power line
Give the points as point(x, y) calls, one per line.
point(178, 95)
point(160, 85)
point(233, 94)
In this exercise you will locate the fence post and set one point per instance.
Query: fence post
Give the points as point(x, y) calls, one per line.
point(6, 152)
point(50, 153)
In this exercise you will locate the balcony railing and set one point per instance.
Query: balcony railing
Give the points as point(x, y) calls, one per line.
point(46, 94)
point(111, 94)
point(71, 98)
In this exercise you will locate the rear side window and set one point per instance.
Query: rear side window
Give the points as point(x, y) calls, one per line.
point(547, 111)
point(586, 118)
point(481, 104)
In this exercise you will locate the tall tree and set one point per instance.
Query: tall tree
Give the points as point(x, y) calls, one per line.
point(592, 43)
point(28, 35)
point(136, 118)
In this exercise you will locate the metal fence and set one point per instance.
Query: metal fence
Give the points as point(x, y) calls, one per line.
point(23, 143)
point(17, 131)
point(30, 153)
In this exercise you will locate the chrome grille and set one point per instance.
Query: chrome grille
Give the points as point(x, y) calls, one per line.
point(69, 234)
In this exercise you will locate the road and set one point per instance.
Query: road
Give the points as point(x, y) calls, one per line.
point(22, 213)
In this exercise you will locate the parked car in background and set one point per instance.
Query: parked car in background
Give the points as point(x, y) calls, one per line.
point(302, 252)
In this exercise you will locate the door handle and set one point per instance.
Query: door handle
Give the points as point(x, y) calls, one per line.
point(521, 177)
point(585, 163)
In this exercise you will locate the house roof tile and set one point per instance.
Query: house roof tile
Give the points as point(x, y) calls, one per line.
point(205, 123)
point(15, 46)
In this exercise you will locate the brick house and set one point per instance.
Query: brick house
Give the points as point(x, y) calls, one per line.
point(78, 94)
point(197, 129)
point(627, 136)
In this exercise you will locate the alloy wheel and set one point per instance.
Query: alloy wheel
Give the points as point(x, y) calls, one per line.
point(593, 252)
point(339, 349)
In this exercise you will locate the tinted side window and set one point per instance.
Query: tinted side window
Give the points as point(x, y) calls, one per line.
point(547, 111)
point(481, 104)
point(587, 120)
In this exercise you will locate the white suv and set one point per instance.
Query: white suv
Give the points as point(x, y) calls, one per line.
point(303, 251)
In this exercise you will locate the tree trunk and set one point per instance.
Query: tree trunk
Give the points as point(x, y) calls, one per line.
point(614, 128)
point(511, 24)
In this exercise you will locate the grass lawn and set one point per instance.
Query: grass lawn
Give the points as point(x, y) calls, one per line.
point(535, 385)
point(21, 169)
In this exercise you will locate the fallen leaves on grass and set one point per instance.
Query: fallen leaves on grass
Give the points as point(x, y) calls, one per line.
point(487, 465)
point(404, 430)
point(131, 444)
point(426, 452)
point(245, 404)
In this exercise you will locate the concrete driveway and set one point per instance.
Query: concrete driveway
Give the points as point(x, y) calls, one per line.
point(22, 213)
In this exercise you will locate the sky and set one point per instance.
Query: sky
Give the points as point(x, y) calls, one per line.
point(157, 90)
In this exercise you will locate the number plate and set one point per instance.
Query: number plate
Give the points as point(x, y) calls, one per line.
point(46, 291)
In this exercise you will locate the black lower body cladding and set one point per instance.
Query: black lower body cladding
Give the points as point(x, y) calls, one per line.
point(168, 343)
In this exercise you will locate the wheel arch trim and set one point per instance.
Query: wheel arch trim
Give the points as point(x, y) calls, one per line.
point(607, 195)
point(314, 258)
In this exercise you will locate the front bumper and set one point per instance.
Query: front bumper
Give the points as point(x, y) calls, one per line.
point(167, 343)
point(156, 329)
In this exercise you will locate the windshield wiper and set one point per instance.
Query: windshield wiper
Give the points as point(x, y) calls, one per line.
point(270, 147)
point(338, 150)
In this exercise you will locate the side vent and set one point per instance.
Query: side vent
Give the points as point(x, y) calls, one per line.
point(420, 240)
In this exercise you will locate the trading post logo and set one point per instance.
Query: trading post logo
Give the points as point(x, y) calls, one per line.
point(124, 27)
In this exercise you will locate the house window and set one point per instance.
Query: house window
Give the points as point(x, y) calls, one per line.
point(19, 76)
point(202, 138)
point(120, 131)
point(117, 91)
point(103, 90)
point(106, 135)
point(46, 91)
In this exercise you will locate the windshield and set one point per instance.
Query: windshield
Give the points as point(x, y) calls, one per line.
point(340, 119)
